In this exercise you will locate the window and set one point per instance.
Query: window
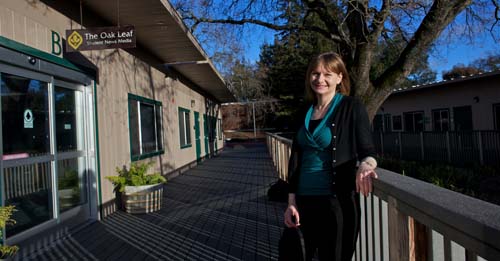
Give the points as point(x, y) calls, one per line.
point(387, 122)
point(496, 115)
point(397, 124)
point(220, 128)
point(377, 123)
point(382, 123)
point(463, 118)
point(184, 128)
point(145, 122)
point(441, 120)
point(414, 121)
point(25, 116)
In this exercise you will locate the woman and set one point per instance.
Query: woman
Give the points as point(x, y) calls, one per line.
point(332, 160)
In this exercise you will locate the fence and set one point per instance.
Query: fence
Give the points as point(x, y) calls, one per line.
point(407, 219)
point(458, 148)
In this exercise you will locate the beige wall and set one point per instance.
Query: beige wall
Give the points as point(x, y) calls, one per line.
point(119, 73)
point(449, 96)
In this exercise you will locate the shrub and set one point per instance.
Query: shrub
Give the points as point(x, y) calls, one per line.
point(135, 176)
point(479, 181)
point(5, 219)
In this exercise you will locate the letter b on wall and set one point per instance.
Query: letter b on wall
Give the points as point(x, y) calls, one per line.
point(56, 43)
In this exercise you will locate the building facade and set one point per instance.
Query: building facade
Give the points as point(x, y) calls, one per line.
point(69, 119)
point(464, 104)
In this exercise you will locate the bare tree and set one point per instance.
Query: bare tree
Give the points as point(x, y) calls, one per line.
point(357, 27)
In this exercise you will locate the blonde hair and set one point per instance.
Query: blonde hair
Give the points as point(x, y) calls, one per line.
point(332, 62)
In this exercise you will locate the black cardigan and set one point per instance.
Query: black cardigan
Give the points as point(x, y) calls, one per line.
point(351, 142)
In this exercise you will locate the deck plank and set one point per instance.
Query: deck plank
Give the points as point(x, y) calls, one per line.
point(215, 211)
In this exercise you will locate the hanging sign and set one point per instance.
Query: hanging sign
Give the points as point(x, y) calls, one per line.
point(98, 38)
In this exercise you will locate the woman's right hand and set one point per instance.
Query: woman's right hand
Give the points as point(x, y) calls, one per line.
point(292, 218)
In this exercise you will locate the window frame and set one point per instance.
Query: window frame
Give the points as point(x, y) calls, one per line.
point(496, 122)
point(219, 122)
point(387, 122)
point(187, 129)
point(400, 122)
point(378, 123)
point(412, 114)
point(160, 149)
point(458, 116)
point(440, 111)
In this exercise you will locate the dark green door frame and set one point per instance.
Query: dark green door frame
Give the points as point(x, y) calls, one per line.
point(205, 128)
point(197, 135)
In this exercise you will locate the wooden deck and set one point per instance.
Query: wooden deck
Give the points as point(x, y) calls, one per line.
point(215, 211)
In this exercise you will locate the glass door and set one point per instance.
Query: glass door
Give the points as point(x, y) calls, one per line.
point(26, 156)
point(71, 169)
point(44, 149)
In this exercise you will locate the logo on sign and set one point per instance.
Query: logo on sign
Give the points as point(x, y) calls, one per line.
point(28, 119)
point(75, 40)
point(98, 38)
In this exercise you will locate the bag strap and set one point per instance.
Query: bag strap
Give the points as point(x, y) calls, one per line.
point(302, 244)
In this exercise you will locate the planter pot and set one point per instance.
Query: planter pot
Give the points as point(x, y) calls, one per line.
point(142, 199)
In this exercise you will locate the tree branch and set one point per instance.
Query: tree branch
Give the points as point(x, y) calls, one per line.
point(439, 16)
point(379, 20)
point(497, 16)
point(357, 21)
point(327, 16)
point(276, 27)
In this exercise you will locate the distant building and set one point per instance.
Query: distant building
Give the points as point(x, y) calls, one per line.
point(466, 103)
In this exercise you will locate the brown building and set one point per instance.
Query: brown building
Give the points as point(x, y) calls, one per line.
point(70, 119)
point(467, 103)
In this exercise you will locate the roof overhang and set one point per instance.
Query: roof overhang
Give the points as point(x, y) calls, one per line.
point(447, 82)
point(161, 31)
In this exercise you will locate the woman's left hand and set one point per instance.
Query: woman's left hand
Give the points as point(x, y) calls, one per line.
point(364, 177)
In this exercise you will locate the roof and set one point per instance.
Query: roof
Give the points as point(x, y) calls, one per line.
point(160, 30)
point(447, 82)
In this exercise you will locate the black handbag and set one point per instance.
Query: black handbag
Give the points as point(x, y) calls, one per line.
point(278, 191)
point(291, 246)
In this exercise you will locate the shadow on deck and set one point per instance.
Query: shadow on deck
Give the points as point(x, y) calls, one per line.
point(215, 211)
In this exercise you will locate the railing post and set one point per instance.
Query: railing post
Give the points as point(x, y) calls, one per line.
point(398, 232)
point(448, 147)
point(400, 145)
point(422, 145)
point(480, 144)
point(419, 243)
point(382, 143)
point(282, 159)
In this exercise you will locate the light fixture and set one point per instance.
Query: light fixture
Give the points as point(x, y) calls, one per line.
point(193, 103)
point(186, 63)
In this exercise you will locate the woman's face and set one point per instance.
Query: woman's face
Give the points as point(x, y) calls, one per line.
point(323, 81)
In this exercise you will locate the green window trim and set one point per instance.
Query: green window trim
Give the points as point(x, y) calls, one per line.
point(159, 137)
point(25, 49)
point(186, 129)
point(143, 99)
point(148, 155)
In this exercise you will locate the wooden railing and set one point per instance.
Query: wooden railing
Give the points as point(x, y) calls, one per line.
point(407, 219)
point(279, 149)
point(23, 180)
point(26, 179)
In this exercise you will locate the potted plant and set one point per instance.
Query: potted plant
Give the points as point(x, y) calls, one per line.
point(5, 219)
point(140, 192)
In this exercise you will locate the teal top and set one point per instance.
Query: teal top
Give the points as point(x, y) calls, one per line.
point(316, 168)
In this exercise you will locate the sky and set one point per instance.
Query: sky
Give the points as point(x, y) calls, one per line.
point(443, 57)
point(449, 49)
